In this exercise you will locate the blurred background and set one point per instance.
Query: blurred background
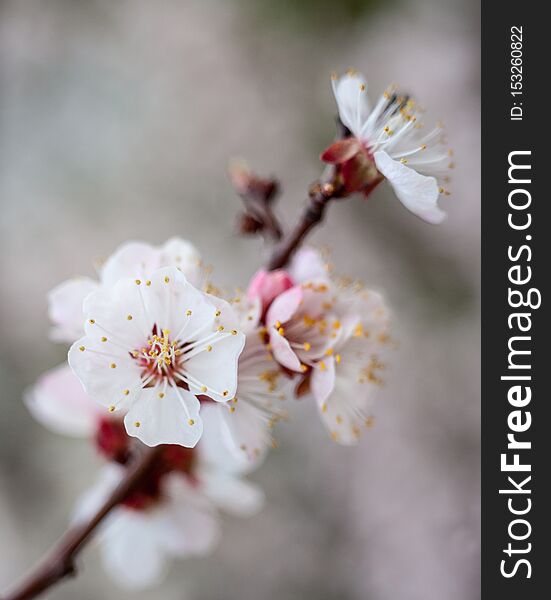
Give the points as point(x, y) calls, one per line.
point(117, 120)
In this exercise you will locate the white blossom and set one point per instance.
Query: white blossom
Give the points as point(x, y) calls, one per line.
point(391, 137)
point(150, 347)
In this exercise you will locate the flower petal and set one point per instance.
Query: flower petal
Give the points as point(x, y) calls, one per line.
point(322, 380)
point(351, 95)
point(131, 551)
point(132, 259)
point(307, 265)
point(187, 523)
point(235, 496)
point(217, 369)
point(182, 254)
point(418, 193)
point(170, 419)
point(58, 401)
point(341, 151)
point(65, 308)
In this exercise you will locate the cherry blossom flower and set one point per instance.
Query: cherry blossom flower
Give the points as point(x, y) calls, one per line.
point(150, 347)
point(334, 334)
point(132, 259)
point(175, 511)
point(388, 141)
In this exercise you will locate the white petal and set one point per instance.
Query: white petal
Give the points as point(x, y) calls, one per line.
point(323, 380)
point(58, 401)
point(307, 265)
point(220, 446)
point(418, 193)
point(134, 260)
point(106, 384)
point(131, 551)
point(172, 419)
point(187, 523)
point(351, 95)
point(65, 308)
point(182, 254)
point(231, 494)
point(217, 369)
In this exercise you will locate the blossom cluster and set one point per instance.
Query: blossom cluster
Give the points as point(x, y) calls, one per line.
point(161, 356)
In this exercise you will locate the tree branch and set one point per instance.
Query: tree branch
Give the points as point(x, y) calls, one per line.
point(60, 561)
point(327, 188)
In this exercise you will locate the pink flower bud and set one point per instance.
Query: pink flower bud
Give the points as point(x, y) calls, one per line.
point(267, 285)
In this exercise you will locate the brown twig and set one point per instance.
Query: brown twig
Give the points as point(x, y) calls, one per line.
point(60, 562)
point(327, 188)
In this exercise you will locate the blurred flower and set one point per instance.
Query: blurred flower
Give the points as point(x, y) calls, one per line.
point(174, 511)
point(332, 333)
point(246, 422)
point(384, 140)
point(150, 347)
point(137, 544)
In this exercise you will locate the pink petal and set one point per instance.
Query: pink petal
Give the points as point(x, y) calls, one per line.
point(341, 151)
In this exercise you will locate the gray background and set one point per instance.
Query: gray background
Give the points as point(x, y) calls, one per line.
point(116, 121)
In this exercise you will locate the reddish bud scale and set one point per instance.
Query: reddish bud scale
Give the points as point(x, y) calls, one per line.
point(114, 444)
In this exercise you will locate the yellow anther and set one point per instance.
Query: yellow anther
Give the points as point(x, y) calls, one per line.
point(281, 331)
point(138, 281)
point(126, 392)
point(137, 424)
point(307, 346)
point(338, 358)
point(334, 436)
point(204, 388)
point(221, 328)
point(148, 282)
point(225, 393)
point(167, 279)
point(218, 313)
point(129, 317)
point(82, 348)
point(324, 407)
point(362, 87)
point(112, 408)
point(323, 366)
point(277, 324)
point(191, 422)
point(103, 339)
point(303, 368)
point(209, 348)
point(113, 365)
point(91, 321)
point(329, 352)
point(234, 331)
point(232, 409)
point(161, 394)
point(337, 324)
point(423, 147)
